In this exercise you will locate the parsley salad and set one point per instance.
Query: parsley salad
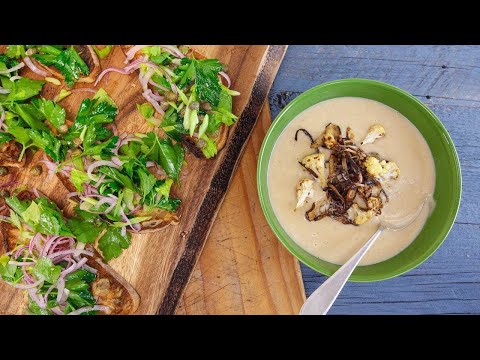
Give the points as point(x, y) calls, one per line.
point(185, 95)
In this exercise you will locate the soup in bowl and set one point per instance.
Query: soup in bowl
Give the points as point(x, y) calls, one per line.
point(346, 153)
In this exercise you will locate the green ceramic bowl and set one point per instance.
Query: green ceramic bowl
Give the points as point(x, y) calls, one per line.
point(448, 185)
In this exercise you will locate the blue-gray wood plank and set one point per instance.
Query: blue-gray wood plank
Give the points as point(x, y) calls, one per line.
point(447, 79)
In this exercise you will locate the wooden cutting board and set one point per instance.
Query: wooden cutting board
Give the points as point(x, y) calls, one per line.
point(159, 264)
point(243, 268)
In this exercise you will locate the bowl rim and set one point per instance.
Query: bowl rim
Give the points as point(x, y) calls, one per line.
point(264, 160)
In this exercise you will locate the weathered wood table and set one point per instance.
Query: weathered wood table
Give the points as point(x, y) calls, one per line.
point(447, 79)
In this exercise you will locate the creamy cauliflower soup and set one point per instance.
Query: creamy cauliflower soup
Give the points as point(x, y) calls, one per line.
point(376, 141)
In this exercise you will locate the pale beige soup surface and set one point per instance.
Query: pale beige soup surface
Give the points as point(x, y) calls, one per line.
point(328, 239)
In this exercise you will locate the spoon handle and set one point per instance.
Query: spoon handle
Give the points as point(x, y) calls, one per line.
point(323, 298)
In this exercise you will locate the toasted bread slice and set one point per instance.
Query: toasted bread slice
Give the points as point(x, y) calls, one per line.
point(160, 218)
point(109, 287)
point(190, 142)
point(88, 54)
point(9, 153)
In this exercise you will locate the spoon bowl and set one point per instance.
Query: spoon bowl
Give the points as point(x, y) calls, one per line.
point(323, 298)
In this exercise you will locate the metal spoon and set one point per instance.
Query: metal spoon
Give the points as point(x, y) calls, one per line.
point(323, 298)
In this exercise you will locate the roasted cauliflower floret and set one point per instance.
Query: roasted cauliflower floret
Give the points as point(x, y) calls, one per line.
point(391, 170)
point(375, 204)
point(382, 170)
point(372, 164)
point(316, 164)
point(304, 191)
point(375, 132)
point(359, 216)
point(329, 137)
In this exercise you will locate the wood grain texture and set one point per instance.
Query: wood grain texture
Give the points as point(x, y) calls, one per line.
point(243, 268)
point(447, 79)
point(159, 264)
point(222, 171)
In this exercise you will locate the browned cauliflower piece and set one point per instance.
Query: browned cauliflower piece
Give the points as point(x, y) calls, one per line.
point(316, 164)
point(304, 191)
point(375, 132)
point(359, 216)
point(375, 204)
point(382, 170)
point(391, 171)
point(329, 137)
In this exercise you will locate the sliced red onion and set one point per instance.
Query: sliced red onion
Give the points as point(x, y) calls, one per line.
point(15, 78)
point(135, 63)
point(90, 269)
point(163, 88)
point(144, 78)
point(136, 227)
point(74, 267)
point(32, 67)
point(110, 69)
point(99, 163)
point(128, 139)
point(32, 243)
point(72, 194)
point(15, 68)
point(38, 299)
point(127, 220)
point(68, 252)
point(89, 190)
point(105, 200)
point(28, 279)
point(114, 130)
point(3, 207)
point(19, 251)
point(48, 244)
point(117, 161)
point(226, 77)
point(64, 298)
point(60, 287)
point(150, 163)
point(28, 286)
point(51, 167)
point(36, 242)
point(59, 242)
point(132, 51)
point(135, 209)
point(103, 308)
point(111, 208)
point(56, 310)
point(123, 231)
point(100, 180)
point(22, 263)
point(156, 96)
point(50, 289)
point(172, 50)
point(155, 104)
